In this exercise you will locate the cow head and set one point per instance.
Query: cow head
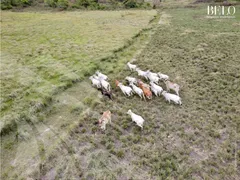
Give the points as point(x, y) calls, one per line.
point(129, 112)
point(116, 82)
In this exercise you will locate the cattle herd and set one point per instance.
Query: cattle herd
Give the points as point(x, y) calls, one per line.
point(136, 86)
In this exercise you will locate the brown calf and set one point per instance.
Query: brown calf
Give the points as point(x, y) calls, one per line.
point(146, 89)
point(106, 117)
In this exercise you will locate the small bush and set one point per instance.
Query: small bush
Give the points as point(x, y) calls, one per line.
point(94, 129)
point(131, 4)
point(62, 4)
point(120, 154)
point(8, 4)
point(88, 100)
point(26, 2)
point(92, 4)
point(112, 151)
point(51, 3)
point(83, 130)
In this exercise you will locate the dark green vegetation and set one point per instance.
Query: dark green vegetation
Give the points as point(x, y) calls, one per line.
point(95, 4)
point(198, 140)
point(76, 4)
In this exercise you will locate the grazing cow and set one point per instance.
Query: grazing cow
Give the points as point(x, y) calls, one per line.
point(95, 82)
point(156, 89)
point(173, 86)
point(172, 97)
point(125, 89)
point(152, 73)
point(105, 84)
point(136, 118)
point(100, 75)
point(146, 89)
point(142, 73)
point(163, 76)
point(131, 80)
point(131, 66)
point(106, 93)
point(138, 91)
point(106, 117)
point(152, 77)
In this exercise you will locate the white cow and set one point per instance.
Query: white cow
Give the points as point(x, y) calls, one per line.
point(157, 90)
point(172, 97)
point(105, 84)
point(131, 66)
point(142, 73)
point(163, 76)
point(136, 118)
point(125, 89)
point(152, 77)
point(131, 80)
point(138, 90)
point(100, 75)
point(152, 73)
point(95, 82)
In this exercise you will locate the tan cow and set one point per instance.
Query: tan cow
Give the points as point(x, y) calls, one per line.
point(106, 117)
point(174, 86)
point(146, 89)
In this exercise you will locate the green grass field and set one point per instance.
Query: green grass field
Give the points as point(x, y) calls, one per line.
point(198, 140)
point(43, 53)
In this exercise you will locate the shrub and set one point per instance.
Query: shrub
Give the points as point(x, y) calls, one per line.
point(62, 4)
point(26, 2)
point(120, 154)
point(131, 4)
point(51, 3)
point(7, 4)
point(83, 130)
point(84, 3)
point(88, 101)
point(92, 4)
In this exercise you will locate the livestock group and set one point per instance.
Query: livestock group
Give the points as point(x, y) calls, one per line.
point(138, 87)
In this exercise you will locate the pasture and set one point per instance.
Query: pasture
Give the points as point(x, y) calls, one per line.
point(43, 53)
point(198, 140)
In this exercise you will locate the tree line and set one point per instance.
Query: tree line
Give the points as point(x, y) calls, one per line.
point(78, 4)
